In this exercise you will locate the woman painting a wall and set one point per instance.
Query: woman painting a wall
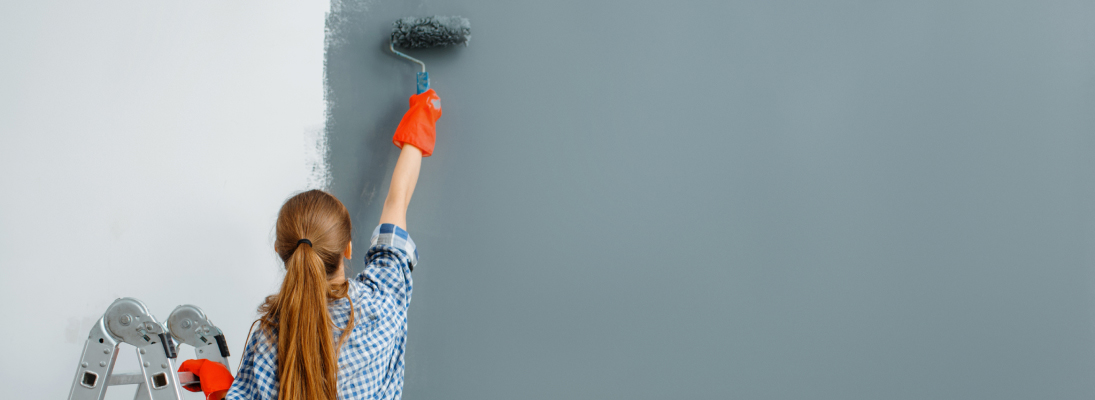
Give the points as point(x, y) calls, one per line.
point(323, 336)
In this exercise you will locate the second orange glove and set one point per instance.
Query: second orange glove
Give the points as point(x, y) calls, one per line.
point(215, 378)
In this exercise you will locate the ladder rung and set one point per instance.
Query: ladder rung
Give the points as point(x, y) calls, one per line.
point(135, 378)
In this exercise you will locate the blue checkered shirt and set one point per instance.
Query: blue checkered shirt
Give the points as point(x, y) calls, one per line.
point(370, 363)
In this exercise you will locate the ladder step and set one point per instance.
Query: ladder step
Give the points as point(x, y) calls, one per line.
point(136, 378)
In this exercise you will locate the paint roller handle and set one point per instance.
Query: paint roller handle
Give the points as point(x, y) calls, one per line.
point(423, 79)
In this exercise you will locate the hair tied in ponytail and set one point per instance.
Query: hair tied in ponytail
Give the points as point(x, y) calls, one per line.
point(306, 350)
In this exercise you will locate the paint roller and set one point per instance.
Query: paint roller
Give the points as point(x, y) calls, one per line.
point(417, 126)
point(422, 33)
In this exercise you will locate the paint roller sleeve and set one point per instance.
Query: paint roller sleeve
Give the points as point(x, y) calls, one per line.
point(418, 125)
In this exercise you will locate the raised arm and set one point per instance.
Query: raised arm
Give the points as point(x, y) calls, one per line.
point(404, 178)
point(415, 135)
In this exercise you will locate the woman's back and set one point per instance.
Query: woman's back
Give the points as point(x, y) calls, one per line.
point(370, 361)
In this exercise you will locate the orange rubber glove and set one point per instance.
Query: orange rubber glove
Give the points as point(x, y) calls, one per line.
point(215, 378)
point(418, 125)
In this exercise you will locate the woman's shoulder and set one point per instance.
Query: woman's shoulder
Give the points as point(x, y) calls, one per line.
point(263, 340)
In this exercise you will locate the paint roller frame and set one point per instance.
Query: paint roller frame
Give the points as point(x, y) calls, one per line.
point(427, 32)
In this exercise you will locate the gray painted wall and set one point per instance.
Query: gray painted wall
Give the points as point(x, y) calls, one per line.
point(849, 200)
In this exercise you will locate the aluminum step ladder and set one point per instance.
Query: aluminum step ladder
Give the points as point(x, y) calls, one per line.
point(127, 320)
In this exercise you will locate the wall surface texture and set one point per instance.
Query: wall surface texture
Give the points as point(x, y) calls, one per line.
point(738, 199)
point(146, 148)
point(720, 199)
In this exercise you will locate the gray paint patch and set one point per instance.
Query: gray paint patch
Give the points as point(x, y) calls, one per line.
point(711, 199)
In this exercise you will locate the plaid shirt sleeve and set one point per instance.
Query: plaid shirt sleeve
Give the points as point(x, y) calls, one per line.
point(257, 374)
point(389, 263)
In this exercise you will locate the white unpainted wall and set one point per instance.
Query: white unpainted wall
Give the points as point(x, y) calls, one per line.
point(146, 149)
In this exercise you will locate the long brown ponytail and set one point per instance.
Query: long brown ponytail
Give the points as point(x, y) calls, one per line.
point(307, 357)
